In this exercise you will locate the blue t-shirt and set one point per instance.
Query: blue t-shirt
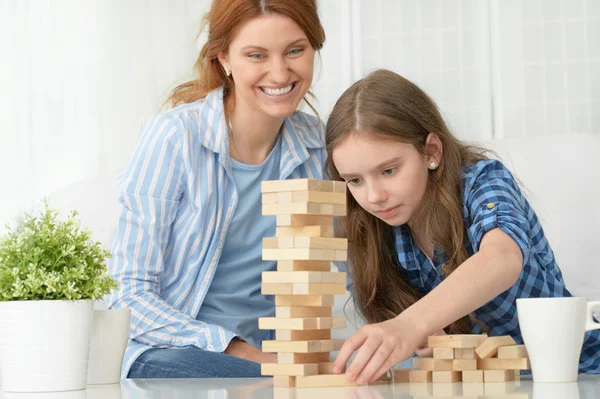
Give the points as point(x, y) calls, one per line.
point(234, 300)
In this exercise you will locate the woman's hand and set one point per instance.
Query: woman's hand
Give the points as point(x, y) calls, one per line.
point(244, 350)
point(381, 345)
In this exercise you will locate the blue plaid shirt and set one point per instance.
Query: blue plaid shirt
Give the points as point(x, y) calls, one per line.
point(490, 182)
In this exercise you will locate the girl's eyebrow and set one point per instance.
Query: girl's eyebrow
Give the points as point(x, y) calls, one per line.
point(375, 168)
point(253, 47)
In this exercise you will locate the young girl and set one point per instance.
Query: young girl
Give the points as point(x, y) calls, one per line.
point(441, 238)
point(187, 250)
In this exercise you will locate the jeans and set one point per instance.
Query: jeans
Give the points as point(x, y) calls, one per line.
point(191, 362)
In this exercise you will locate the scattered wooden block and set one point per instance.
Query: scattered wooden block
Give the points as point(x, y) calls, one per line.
point(512, 352)
point(472, 376)
point(300, 358)
point(303, 220)
point(325, 380)
point(303, 311)
point(490, 346)
point(304, 300)
point(303, 208)
point(445, 376)
point(464, 353)
point(400, 375)
point(498, 375)
point(288, 369)
point(455, 341)
point(302, 335)
point(464, 364)
point(419, 376)
point(431, 364)
point(283, 381)
point(304, 277)
point(443, 353)
point(305, 231)
point(275, 186)
point(503, 364)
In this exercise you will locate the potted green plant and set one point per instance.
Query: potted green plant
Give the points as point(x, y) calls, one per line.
point(50, 272)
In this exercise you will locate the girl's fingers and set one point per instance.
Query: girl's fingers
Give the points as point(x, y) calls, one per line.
point(363, 356)
point(424, 352)
point(351, 345)
point(378, 360)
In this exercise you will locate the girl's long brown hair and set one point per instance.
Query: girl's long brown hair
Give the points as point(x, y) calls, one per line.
point(222, 21)
point(393, 107)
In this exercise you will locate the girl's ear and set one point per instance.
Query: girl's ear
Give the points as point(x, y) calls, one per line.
point(222, 57)
point(434, 149)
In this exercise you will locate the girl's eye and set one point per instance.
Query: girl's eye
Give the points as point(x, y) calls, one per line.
point(389, 171)
point(353, 181)
point(296, 51)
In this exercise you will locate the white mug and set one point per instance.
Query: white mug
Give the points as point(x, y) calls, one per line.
point(553, 330)
point(110, 333)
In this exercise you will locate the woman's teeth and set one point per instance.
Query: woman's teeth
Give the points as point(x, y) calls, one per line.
point(277, 92)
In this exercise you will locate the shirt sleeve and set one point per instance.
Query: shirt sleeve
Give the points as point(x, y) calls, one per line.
point(150, 191)
point(494, 200)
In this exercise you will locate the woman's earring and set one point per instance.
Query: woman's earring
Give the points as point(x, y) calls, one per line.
point(433, 166)
point(228, 71)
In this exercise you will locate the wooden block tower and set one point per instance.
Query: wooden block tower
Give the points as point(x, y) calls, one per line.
point(303, 285)
point(467, 358)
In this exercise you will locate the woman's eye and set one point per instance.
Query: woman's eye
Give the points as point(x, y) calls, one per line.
point(256, 56)
point(296, 51)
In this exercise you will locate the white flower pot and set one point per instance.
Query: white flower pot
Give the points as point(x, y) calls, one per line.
point(44, 345)
point(110, 334)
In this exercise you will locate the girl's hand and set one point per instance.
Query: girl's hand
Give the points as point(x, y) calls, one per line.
point(381, 345)
point(425, 351)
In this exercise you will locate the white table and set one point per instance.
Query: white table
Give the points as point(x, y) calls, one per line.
point(588, 387)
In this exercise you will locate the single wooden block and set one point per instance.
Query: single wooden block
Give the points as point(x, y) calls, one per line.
point(302, 335)
point(400, 375)
point(472, 376)
point(303, 220)
point(321, 197)
point(304, 242)
point(318, 288)
point(324, 380)
point(284, 381)
point(269, 198)
point(278, 242)
point(303, 266)
point(277, 288)
point(276, 186)
point(305, 231)
point(304, 277)
point(303, 254)
point(304, 300)
point(512, 352)
point(464, 364)
point(490, 346)
point(464, 353)
point(303, 208)
point(303, 311)
point(323, 345)
point(326, 367)
point(431, 364)
point(288, 369)
point(302, 323)
point(339, 186)
point(445, 376)
point(503, 364)
point(419, 376)
point(498, 375)
point(443, 353)
point(341, 255)
point(302, 358)
point(455, 341)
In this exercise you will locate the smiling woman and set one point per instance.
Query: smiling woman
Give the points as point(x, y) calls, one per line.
point(187, 250)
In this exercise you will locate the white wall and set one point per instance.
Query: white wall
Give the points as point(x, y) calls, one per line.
point(78, 78)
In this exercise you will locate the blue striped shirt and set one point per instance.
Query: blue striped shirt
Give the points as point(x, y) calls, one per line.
point(484, 183)
point(178, 197)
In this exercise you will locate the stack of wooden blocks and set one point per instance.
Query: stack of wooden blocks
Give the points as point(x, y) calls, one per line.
point(303, 285)
point(467, 358)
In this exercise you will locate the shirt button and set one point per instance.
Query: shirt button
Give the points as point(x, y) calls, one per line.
point(445, 268)
point(178, 341)
point(210, 347)
point(491, 205)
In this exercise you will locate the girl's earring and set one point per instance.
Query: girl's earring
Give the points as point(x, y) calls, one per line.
point(433, 166)
point(228, 71)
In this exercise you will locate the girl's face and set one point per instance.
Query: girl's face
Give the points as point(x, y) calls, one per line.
point(387, 178)
point(271, 61)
